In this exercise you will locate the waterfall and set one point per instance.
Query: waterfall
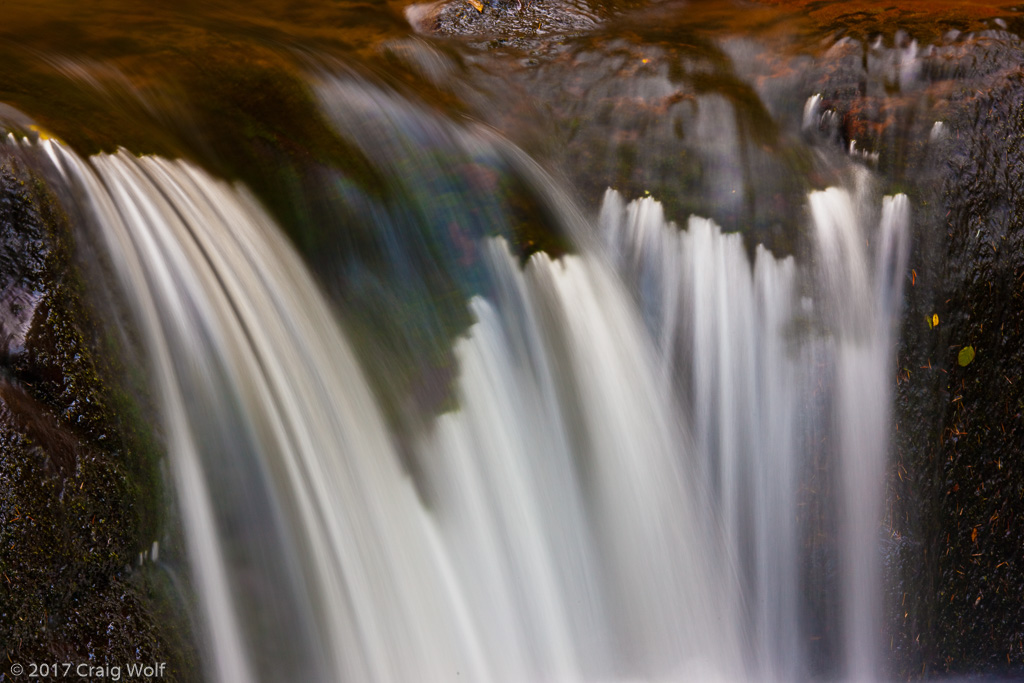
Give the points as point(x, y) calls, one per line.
point(615, 495)
point(755, 351)
point(313, 557)
point(564, 478)
point(863, 291)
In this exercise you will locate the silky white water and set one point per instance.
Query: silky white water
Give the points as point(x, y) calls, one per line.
point(728, 341)
point(615, 496)
point(757, 351)
point(862, 286)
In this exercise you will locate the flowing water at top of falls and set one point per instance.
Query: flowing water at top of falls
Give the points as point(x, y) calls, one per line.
point(615, 494)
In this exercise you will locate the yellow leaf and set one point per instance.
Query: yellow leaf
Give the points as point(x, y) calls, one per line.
point(935, 320)
point(479, 6)
point(966, 356)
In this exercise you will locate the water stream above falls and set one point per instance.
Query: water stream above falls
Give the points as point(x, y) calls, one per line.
point(437, 403)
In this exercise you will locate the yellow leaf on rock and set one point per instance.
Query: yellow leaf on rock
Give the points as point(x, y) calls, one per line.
point(966, 356)
point(479, 6)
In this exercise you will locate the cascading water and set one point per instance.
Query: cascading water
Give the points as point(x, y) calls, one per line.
point(730, 336)
point(266, 409)
point(616, 494)
point(862, 290)
point(564, 475)
point(726, 337)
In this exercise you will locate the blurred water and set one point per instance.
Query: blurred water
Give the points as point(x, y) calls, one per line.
point(727, 339)
point(600, 447)
point(862, 287)
point(758, 353)
point(615, 495)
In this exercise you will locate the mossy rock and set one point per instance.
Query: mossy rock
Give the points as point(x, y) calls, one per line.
point(79, 492)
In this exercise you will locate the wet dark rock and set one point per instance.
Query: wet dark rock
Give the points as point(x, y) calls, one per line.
point(653, 103)
point(927, 20)
point(505, 23)
point(880, 99)
point(22, 262)
point(63, 547)
point(72, 474)
point(957, 490)
point(672, 117)
point(981, 571)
